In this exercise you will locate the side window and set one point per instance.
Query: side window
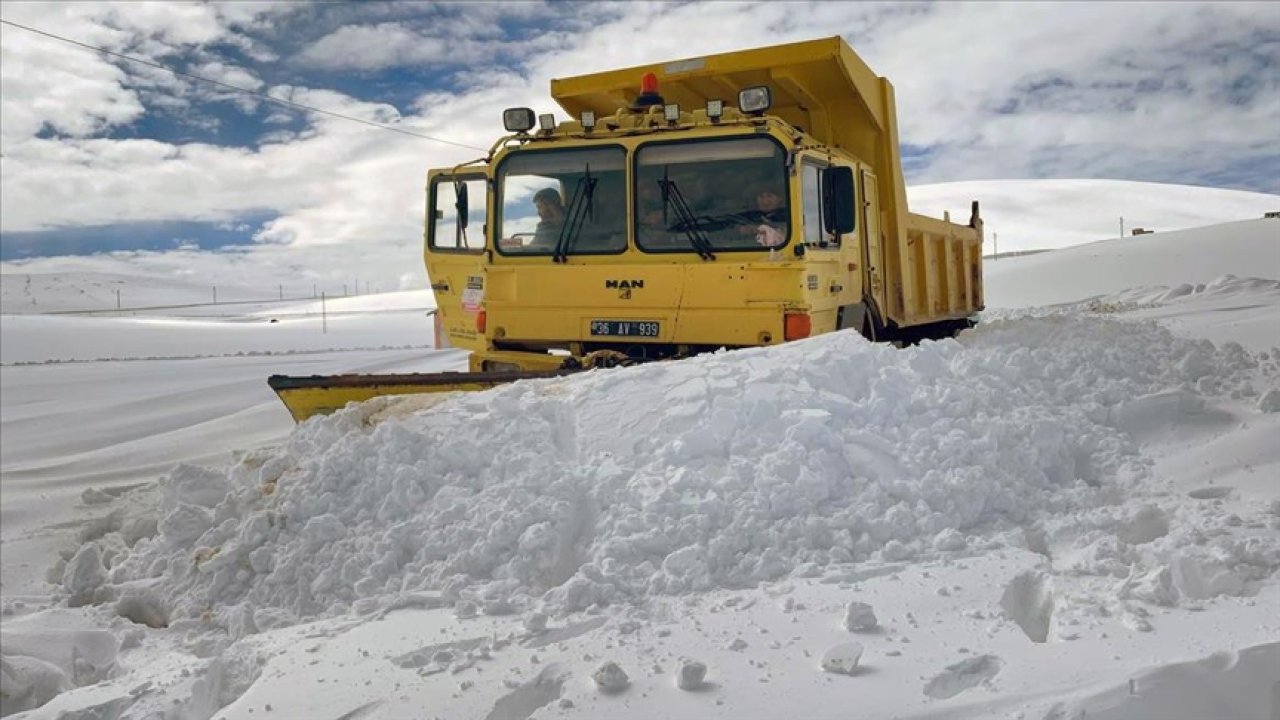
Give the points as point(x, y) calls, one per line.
point(811, 195)
point(448, 231)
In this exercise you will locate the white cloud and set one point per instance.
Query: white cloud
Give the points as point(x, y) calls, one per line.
point(55, 86)
point(374, 47)
point(229, 74)
point(74, 91)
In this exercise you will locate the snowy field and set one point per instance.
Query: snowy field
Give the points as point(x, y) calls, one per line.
point(1071, 511)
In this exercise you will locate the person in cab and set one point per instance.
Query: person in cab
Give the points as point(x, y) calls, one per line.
point(550, 207)
point(767, 221)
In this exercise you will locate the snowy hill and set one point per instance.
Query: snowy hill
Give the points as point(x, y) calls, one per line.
point(1070, 511)
point(44, 292)
point(1249, 248)
point(1052, 214)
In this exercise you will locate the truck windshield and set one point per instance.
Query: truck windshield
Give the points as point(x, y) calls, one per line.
point(563, 202)
point(710, 196)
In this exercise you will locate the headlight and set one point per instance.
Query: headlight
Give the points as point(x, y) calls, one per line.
point(755, 99)
point(517, 119)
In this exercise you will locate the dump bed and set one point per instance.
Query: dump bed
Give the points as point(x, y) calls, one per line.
point(936, 273)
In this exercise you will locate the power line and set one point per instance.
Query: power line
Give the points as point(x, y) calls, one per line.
point(237, 88)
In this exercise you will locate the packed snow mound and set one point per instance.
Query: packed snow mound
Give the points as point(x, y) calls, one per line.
point(718, 472)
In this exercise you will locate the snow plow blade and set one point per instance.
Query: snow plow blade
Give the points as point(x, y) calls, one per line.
point(310, 395)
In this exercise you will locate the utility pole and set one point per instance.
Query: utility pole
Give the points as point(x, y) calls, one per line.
point(117, 298)
point(215, 294)
point(995, 240)
point(313, 290)
point(324, 317)
point(281, 291)
point(1122, 226)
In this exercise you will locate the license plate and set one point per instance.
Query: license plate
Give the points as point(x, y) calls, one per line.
point(625, 328)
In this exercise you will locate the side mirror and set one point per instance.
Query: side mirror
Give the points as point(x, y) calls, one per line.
point(461, 206)
point(837, 200)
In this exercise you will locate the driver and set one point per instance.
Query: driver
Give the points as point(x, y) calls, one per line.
point(550, 208)
point(768, 221)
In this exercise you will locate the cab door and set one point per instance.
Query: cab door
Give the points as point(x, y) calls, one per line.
point(874, 259)
point(455, 253)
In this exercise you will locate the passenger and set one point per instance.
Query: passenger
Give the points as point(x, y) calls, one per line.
point(699, 192)
point(551, 213)
point(650, 228)
point(605, 228)
point(768, 220)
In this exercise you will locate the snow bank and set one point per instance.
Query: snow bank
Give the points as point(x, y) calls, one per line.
point(40, 662)
point(719, 472)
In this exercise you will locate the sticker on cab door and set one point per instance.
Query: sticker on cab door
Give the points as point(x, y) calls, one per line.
point(473, 295)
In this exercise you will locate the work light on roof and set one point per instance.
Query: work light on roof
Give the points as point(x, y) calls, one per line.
point(715, 108)
point(588, 119)
point(671, 112)
point(518, 119)
point(755, 99)
point(547, 122)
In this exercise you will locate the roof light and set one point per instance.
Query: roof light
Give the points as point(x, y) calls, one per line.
point(671, 112)
point(588, 120)
point(648, 92)
point(715, 108)
point(518, 119)
point(547, 122)
point(649, 84)
point(755, 99)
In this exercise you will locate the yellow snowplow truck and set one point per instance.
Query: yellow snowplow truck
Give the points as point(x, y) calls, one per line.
point(726, 201)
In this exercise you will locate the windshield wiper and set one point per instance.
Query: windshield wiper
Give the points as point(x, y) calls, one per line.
point(671, 196)
point(580, 207)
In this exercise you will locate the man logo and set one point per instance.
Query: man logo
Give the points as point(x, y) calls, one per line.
point(624, 287)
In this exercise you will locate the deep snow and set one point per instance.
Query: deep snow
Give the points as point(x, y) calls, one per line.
point(1069, 510)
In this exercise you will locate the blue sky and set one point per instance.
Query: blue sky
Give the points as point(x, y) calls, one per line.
point(102, 155)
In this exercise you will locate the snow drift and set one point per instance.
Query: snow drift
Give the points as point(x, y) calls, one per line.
point(720, 472)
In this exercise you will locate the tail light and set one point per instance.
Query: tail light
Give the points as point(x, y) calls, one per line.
point(796, 326)
point(482, 321)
